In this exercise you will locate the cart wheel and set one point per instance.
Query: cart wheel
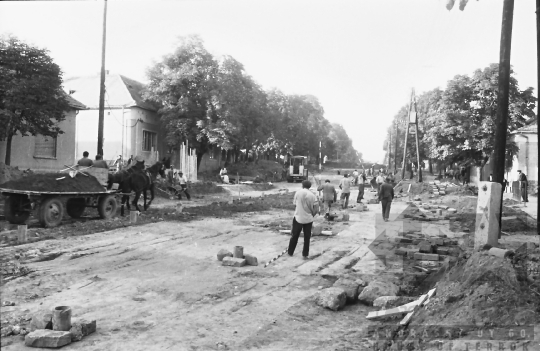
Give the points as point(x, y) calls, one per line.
point(107, 206)
point(15, 210)
point(75, 207)
point(51, 212)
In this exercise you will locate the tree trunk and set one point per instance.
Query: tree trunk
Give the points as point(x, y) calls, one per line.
point(431, 164)
point(199, 158)
point(8, 150)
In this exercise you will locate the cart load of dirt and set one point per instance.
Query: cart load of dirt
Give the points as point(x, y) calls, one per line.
point(8, 173)
point(483, 292)
point(55, 182)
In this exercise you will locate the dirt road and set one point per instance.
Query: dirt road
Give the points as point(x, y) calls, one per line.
point(159, 286)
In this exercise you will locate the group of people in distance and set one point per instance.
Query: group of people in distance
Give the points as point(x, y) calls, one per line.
point(97, 163)
point(307, 207)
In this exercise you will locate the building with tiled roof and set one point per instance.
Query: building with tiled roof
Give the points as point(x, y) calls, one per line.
point(131, 125)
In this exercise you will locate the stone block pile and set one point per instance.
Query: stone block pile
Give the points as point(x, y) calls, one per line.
point(345, 290)
point(48, 331)
point(239, 259)
point(421, 211)
point(427, 251)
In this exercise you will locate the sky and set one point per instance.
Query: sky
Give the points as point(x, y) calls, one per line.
point(359, 58)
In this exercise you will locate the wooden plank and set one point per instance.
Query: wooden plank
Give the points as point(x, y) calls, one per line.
point(393, 311)
point(422, 301)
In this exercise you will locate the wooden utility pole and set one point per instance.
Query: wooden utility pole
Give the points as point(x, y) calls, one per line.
point(538, 104)
point(395, 147)
point(406, 136)
point(390, 151)
point(417, 145)
point(501, 125)
point(102, 84)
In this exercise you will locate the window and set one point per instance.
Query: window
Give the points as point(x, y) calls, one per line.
point(149, 140)
point(45, 146)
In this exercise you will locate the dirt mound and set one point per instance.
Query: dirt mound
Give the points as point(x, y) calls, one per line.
point(8, 173)
point(263, 169)
point(475, 294)
point(205, 188)
point(48, 182)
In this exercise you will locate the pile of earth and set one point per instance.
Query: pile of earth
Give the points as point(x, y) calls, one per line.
point(264, 169)
point(225, 208)
point(8, 173)
point(479, 293)
point(51, 182)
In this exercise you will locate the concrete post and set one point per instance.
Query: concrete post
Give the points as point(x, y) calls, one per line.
point(133, 216)
point(22, 233)
point(487, 214)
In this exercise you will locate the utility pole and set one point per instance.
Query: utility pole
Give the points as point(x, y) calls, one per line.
point(102, 84)
point(320, 152)
point(390, 150)
point(395, 147)
point(501, 125)
point(406, 136)
point(417, 145)
point(538, 104)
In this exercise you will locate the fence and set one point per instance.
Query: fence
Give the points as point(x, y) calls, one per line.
point(188, 162)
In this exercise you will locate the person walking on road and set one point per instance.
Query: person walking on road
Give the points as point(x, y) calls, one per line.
point(329, 196)
point(345, 186)
point(386, 195)
point(355, 177)
point(306, 207)
point(380, 181)
point(361, 188)
point(183, 183)
point(523, 184)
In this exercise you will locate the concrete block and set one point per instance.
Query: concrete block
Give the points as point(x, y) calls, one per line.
point(442, 192)
point(234, 262)
point(401, 251)
point(439, 241)
point(82, 328)
point(403, 240)
point(501, 253)
point(425, 248)
point(411, 253)
point(251, 260)
point(223, 253)
point(41, 320)
point(443, 251)
point(47, 338)
point(443, 207)
point(452, 210)
point(426, 257)
point(488, 210)
point(345, 217)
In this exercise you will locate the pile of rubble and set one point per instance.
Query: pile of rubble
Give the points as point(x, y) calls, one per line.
point(429, 211)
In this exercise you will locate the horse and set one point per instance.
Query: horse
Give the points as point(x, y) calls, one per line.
point(138, 180)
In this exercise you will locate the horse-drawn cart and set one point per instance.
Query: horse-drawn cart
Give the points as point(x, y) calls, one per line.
point(49, 206)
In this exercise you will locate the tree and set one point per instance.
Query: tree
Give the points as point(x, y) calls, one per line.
point(185, 85)
point(32, 100)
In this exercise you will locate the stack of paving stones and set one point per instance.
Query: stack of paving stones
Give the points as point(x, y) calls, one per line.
point(44, 332)
point(227, 259)
point(427, 251)
point(429, 211)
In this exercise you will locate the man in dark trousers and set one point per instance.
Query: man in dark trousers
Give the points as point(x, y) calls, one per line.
point(306, 208)
point(386, 195)
point(329, 196)
point(523, 183)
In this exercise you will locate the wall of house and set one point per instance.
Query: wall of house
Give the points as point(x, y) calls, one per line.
point(527, 158)
point(118, 139)
point(141, 120)
point(23, 149)
point(87, 133)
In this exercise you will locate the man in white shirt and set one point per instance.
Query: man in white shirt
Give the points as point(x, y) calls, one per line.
point(355, 177)
point(307, 207)
point(345, 186)
point(182, 180)
point(380, 181)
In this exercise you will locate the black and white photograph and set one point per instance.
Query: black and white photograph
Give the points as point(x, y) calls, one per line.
point(311, 175)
